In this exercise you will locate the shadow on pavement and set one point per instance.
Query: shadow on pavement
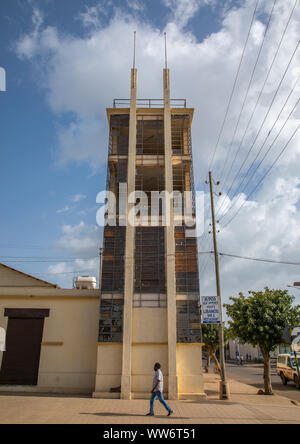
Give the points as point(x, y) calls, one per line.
point(212, 402)
point(133, 415)
point(45, 395)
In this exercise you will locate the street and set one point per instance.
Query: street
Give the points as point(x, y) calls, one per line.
point(252, 374)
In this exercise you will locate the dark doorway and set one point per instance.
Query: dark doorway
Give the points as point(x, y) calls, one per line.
point(20, 363)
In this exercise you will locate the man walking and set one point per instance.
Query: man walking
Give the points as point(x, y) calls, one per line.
point(157, 391)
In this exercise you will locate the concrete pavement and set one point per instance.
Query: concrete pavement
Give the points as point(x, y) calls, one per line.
point(245, 407)
point(252, 374)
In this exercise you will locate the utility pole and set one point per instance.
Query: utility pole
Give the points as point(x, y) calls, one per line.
point(224, 387)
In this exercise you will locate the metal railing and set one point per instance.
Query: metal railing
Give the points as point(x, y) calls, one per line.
point(149, 103)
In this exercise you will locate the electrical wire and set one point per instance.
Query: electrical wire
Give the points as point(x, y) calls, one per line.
point(261, 126)
point(233, 88)
point(264, 176)
point(64, 272)
point(257, 102)
point(272, 261)
point(239, 193)
point(52, 259)
point(116, 256)
point(45, 261)
point(247, 93)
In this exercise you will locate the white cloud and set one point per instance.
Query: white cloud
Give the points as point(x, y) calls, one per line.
point(182, 11)
point(81, 240)
point(82, 141)
point(63, 273)
point(83, 75)
point(28, 45)
point(91, 17)
point(266, 228)
point(63, 210)
point(78, 197)
point(135, 5)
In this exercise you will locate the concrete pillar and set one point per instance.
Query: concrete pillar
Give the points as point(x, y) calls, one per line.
point(187, 177)
point(186, 139)
point(170, 246)
point(129, 249)
point(188, 191)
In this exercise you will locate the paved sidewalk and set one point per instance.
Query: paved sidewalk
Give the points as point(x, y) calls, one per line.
point(245, 407)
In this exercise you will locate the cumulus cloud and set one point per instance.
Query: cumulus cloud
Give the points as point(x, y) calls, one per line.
point(28, 44)
point(84, 74)
point(81, 240)
point(183, 10)
point(65, 272)
point(135, 5)
point(266, 228)
point(92, 15)
point(82, 141)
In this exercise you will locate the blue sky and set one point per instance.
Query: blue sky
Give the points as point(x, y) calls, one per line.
point(67, 60)
point(35, 191)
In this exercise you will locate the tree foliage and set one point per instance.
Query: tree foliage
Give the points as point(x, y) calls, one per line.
point(260, 319)
point(210, 337)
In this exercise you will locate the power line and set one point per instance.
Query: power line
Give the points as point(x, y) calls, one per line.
point(247, 91)
point(264, 176)
point(115, 256)
point(48, 258)
point(261, 162)
point(259, 259)
point(257, 101)
point(233, 88)
point(29, 247)
point(269, 133)
point(46, 261)
point(204, 238)
point(64, 272)
point(205, 262)
point(261, 126)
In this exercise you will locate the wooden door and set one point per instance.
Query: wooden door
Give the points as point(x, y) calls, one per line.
point(20, 363)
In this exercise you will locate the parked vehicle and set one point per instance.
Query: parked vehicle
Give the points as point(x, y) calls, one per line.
point(287, 368)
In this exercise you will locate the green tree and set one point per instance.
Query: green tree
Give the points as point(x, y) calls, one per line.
point(260, 320)
point(210, 337)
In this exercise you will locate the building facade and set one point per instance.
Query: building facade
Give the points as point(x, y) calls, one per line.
point(149, 307)
point(50, 336)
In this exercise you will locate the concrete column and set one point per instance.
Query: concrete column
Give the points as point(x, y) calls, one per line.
point(129, 249)
point(170, 246)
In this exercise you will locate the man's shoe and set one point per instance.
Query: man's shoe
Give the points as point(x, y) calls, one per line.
point(170, 413)
point(150, 414)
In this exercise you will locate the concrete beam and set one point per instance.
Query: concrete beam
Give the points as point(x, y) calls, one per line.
point(129, 249)
point(170, 247)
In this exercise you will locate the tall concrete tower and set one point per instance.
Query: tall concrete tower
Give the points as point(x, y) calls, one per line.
point(149, 308)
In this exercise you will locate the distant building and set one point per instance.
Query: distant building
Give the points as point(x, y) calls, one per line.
point(235, 349)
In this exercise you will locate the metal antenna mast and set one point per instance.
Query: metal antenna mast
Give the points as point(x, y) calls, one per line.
point(166, 55)
point(134, 49)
